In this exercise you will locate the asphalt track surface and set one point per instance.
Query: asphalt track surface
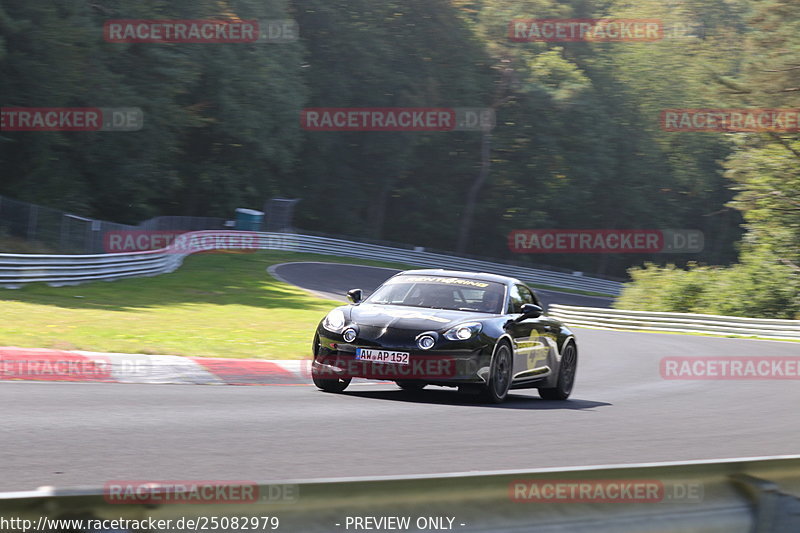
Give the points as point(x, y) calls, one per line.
point(621, 411)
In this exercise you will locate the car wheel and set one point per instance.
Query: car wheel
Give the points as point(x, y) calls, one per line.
point(331, 385)
point(496, 390)
point(327, 384)
point(410, 385)
point(566, 375)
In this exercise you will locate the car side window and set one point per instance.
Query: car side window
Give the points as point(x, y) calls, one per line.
point(536, 299)
point(516, 299)
point(527, 295)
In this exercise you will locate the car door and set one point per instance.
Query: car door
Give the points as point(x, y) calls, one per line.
point(531, 347)
point(548, 326)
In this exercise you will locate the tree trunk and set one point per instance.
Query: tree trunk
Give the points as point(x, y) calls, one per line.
point(377, 215)
point(472, 196)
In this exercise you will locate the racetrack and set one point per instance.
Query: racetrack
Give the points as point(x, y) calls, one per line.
point(621, 411)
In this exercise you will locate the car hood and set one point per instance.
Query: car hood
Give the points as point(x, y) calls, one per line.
point(410, 318)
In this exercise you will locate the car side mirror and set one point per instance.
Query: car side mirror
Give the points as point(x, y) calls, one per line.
point(355, 295)
point(530, 311)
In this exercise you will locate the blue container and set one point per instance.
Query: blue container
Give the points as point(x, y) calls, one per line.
point(249, 219)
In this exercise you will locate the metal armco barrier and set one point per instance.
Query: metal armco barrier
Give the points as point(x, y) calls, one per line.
point(725, 496)
point(56, 270)
point(676, 322)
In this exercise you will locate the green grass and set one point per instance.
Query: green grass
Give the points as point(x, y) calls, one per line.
point(216, 305)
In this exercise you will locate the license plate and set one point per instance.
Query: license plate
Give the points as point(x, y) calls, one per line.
point(382, 356)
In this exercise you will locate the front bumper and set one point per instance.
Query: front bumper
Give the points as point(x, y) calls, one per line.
point(451, 363)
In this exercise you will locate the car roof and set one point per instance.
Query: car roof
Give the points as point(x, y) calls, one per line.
point(483, 276)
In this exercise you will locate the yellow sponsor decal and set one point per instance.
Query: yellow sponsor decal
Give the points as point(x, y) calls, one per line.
point(537, 350)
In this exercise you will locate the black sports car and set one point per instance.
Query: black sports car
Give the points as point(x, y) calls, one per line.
point(474, 331)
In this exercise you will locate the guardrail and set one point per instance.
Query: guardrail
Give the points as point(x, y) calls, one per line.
point(676, 322)
point(723, 496)
point(57, 270)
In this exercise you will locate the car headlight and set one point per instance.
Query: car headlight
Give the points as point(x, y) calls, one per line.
point(463, 332)
point(334, 321)
point(426, 341)
point(350, 334)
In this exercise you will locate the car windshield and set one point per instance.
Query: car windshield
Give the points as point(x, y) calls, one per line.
point(441, 293)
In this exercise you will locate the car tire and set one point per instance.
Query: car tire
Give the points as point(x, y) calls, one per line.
point(410, 385)
point(331, 385)
point(566, 375)
point(326, 384)
point(500, 374)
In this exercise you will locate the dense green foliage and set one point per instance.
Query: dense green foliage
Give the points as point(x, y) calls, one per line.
point(764, 170)
point(577, 144)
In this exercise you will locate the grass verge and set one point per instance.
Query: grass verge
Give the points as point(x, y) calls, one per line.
point(215, 305)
